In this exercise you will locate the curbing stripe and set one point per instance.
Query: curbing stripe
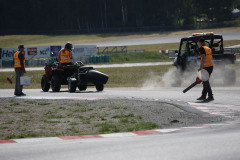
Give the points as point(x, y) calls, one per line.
point(146, 132)
point(193, 127)
point(112, 135)
point(79, 137)
point(8, 141)
point(215, 109)
point(167, 130)
point(116, 135)
point(30, 140)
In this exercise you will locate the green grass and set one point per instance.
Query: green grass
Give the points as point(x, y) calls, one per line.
point(15, 104)
point(22, 135)
point(132, 76)
point(119, 77)
point(43, 104)
point(143, 126)
point(22, 111)
point(29, 40)
point(231, 42)
point(155, 47)
point(138, 57)
point(108, 128)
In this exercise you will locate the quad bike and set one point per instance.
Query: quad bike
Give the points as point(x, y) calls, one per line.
point(74, 75)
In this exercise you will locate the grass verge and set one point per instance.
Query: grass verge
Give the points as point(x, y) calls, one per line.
point(119, 77)
point(149, 56)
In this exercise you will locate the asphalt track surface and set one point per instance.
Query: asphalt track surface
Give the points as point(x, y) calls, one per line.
point(159, 40)
point(215, 143)
point(101, 66)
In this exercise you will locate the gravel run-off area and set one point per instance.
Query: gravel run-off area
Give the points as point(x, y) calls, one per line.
point(21, 118)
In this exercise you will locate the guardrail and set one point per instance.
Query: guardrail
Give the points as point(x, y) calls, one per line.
point(171, 53)
point(41, 62)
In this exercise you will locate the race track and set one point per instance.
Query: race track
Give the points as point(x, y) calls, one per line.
point(216, 142)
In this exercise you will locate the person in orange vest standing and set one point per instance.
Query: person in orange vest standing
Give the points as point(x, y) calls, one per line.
point(65, 54)
point(207, 64)
point(19, 66)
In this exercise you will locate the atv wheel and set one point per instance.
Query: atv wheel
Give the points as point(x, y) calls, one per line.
point(72, 86)
point(82, 88)
point(99, 87)
point(45, 83)
point(56, 83)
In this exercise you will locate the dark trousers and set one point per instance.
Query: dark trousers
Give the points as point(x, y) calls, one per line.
point(18, 87)
point(206, 85)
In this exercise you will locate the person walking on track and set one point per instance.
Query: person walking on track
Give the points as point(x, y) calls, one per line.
point(207, 64)
point(19, 65)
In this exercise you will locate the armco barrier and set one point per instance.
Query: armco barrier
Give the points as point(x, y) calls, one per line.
point(7, 63)
point(83, 59)
point(99, 59)
point(41, 62)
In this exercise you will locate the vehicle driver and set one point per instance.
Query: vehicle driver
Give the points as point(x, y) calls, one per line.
point(65, 54)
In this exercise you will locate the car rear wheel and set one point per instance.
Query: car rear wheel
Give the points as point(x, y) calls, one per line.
point(45, 83)
point(56, 83)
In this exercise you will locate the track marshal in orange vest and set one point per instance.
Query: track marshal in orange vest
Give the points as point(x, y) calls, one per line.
point(19, 66)
point(207, 64)
point(65, 54)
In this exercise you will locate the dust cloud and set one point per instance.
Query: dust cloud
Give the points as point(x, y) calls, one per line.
point(221, 77)
point(172, 78)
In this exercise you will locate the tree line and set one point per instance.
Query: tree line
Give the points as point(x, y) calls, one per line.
point(103, 15)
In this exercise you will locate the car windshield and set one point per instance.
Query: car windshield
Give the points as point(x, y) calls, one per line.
point(184, 48)
point(190, 47)
point(217, 44)
point(207, 43)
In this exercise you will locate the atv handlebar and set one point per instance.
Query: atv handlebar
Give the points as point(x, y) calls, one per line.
point(80, 63)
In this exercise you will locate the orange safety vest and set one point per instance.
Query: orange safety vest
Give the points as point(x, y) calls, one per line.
point(208, 58)
point(65, 56)
point(17, 63)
